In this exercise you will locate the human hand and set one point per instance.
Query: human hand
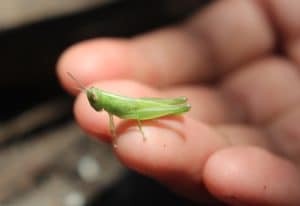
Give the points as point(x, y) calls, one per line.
point(238, 63)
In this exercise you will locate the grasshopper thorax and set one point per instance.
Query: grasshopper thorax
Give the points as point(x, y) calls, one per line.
point(94, 97)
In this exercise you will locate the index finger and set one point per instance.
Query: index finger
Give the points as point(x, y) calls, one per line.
point(221, 37)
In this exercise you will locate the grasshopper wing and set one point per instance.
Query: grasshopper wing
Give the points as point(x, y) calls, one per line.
point(156, 112)
point(168, 101)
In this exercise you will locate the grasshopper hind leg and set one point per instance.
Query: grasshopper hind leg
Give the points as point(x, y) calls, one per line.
point(141, 129)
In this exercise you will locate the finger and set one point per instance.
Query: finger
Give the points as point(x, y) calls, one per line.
point(94, 60)
point(264, 89)
point(252, 176)
point(152, 58)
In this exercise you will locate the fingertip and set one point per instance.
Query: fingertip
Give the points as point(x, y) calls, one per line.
point(70, 62)
point(251, 175)
point(93, 60)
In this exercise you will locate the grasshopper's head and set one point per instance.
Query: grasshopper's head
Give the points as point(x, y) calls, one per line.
point(93, 94)
point(94, 97)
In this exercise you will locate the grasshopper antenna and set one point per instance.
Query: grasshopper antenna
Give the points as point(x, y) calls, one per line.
point(80, 85)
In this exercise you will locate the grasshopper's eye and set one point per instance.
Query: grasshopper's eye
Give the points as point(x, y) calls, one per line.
point(94, 97)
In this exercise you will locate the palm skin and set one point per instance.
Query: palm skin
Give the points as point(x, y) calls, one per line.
point(240, 143)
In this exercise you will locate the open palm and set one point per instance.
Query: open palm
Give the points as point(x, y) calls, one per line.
point(238, 63)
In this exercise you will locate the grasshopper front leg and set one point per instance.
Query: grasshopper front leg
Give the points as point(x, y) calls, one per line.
point(112, 127)
point(141, 130)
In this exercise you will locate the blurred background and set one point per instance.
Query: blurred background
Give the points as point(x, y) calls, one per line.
point(45, 159)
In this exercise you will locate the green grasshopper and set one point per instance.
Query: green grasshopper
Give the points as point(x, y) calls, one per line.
point(133, 108)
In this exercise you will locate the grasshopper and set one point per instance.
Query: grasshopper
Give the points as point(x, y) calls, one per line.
point(132, 108)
